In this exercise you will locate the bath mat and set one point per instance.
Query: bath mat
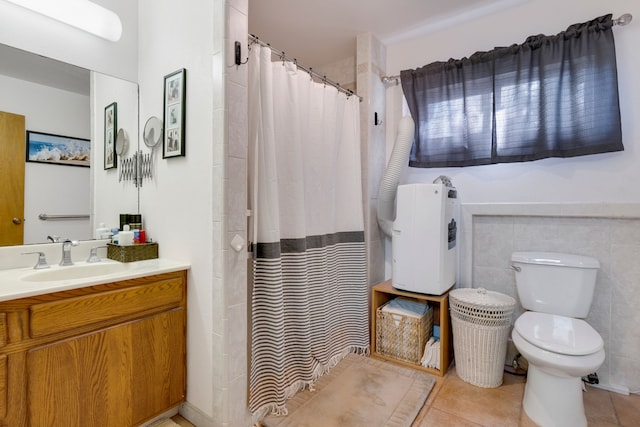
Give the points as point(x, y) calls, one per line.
point(359, 392)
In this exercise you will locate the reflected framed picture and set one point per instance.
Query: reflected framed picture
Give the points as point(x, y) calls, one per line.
point(110, 126)
point(58, 149)
point(175, 92)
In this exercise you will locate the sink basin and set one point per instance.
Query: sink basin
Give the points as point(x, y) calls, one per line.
point(77, 271)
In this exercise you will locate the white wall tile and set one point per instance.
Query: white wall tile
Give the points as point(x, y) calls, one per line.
point(236, 274)
point(591, 231)
point(624, 372)
point(236, 194)
point(237, 127)
point(238, 410)
point(237, 342)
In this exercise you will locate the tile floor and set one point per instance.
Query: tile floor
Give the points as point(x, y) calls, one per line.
point(455, 403)
point(181, 421)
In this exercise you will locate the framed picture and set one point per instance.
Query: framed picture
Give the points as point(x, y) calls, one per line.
point(110, 126)
point(57, 149)
point(175, 86)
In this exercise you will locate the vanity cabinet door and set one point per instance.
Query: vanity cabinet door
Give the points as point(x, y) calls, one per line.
point(119, 376)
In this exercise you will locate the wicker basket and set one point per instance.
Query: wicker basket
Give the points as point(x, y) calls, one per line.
point(481, 321)
point(403, 336)
point(130, 253)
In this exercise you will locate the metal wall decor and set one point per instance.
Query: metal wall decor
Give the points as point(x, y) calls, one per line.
point(136, 168)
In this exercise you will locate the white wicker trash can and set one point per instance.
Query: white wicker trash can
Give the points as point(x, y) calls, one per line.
point(481, 321)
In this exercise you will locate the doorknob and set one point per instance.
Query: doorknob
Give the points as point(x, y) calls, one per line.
point(16, 221)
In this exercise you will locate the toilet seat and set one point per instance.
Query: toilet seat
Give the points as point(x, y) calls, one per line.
point(558, 334)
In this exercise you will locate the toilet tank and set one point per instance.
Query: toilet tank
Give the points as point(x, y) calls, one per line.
point(555, 283)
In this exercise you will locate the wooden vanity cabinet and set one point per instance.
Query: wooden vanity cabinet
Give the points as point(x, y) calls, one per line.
point(104, 355)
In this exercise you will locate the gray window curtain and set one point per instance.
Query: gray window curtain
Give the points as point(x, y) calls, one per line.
point(552, 96)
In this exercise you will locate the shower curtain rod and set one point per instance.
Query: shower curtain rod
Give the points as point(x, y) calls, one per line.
point(624, 19)
point(255, 40)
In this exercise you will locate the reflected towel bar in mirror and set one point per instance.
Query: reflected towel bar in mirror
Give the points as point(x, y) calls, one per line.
point(45, 217)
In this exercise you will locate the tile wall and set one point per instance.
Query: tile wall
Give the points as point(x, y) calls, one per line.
point(610, 236)
point(371, 62)
point(230, 324)
point(342, 71)
point(365, 80)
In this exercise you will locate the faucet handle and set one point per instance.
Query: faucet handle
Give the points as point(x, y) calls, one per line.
point(93, 254)
point(42, 260)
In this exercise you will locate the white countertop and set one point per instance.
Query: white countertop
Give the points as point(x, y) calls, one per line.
point(13, 285)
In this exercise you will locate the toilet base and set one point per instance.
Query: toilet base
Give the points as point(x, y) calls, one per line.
point(550, 400)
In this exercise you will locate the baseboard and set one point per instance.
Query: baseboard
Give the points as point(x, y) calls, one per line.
point(612, 387)
point(195, 416)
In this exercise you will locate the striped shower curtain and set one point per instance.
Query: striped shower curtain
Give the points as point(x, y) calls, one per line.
point(309, 298)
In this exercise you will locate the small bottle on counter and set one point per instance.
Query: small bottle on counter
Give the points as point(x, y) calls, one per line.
point(125, 237)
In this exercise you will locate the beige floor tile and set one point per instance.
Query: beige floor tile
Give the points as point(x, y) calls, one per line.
point(456, 403)
point(181, 421)
point(438, 418)
point(627, 409)
point(436, 389)
point(499, 406)
point(598, 406)
point(432, 396)
point(597, 423)
point(525, 421)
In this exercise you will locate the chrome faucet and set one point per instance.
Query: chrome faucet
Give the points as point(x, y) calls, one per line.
point(42, 261)
point(66, 251)
point(93, 254)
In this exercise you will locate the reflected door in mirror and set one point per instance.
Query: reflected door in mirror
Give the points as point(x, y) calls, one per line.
point(12, 152)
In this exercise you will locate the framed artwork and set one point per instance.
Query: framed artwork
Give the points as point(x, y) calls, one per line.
point(110, 126)
point(175, 85)
point(57, 149)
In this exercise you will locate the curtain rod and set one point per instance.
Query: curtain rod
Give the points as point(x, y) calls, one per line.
point(623, 20)
point(284, 57)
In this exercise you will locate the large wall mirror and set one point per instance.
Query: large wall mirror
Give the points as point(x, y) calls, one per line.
point(59, 99)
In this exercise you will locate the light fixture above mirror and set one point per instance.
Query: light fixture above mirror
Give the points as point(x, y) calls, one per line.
point(81, 14)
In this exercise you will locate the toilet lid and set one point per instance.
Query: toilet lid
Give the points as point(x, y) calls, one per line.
point(559, 334)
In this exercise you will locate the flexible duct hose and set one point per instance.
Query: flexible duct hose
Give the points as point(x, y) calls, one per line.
point(391, 178)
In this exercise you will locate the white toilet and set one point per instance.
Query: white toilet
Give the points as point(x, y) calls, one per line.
point(557, 289)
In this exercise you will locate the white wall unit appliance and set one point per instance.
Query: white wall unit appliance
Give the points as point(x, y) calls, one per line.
point(424, 237)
